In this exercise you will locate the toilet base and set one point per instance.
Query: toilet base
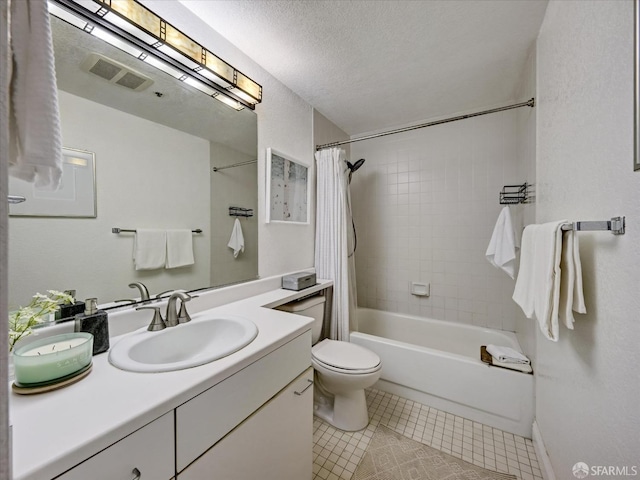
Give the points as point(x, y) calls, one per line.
point(347, 412)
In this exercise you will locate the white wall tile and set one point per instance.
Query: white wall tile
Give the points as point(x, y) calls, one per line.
point(434, 216)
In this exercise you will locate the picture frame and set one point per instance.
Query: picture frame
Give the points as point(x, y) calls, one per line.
point(287, 189)
point(75, 198)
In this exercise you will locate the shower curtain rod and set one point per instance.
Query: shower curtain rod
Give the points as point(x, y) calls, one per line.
point(530, 103)
point(215, 169)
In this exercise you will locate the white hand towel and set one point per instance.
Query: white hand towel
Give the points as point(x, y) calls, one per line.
point(236, 242)
point(501, 251)
point(179, 248)
point(35, 145)
point(571, 294)
point(520, 367)
point(507, 355)
point(537, 289)
point(150, 249)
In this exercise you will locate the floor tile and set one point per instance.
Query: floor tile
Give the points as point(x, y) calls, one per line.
point(336, 454)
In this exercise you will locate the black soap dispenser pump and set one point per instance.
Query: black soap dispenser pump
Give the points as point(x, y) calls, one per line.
point(95, 322)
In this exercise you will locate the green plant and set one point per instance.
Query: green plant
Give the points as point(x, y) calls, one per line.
point(22, 321)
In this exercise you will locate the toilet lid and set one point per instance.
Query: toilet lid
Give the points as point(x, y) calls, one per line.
point(345, 355)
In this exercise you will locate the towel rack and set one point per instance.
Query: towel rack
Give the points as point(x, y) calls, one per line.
point(240, 212)
point(127, 230)
point(615, 225)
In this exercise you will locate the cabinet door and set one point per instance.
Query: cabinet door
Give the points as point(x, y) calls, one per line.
point(147, 453)
point(272, 444)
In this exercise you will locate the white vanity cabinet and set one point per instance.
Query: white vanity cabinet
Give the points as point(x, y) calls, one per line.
point(146, 453)
point(272, 444)
point(203, 422)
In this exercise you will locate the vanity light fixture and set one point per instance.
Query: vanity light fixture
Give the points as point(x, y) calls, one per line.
point(136, 30)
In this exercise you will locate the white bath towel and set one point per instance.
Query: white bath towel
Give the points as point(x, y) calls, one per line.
point(179, 248)
point(520, 367)
point(571, 293)
point(236, 242)
point(35, 145)
point(150, 249)
point(502, 248)
point(537, 289)
point(507, 355)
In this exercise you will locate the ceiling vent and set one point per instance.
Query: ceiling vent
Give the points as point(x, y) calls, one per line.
point(115, 72)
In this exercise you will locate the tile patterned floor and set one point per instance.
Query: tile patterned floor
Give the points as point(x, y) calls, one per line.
point(336, 454)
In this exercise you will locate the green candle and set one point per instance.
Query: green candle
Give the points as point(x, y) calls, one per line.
point(50, 358)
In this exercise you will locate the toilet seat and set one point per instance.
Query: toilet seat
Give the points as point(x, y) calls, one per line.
point(345, 357)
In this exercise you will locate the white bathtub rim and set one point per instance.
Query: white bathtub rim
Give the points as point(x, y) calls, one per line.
point(445, 323)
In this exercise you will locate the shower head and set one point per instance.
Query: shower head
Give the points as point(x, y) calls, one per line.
point(355, 166)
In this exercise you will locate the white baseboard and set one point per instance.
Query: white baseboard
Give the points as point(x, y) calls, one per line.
point(541, 453)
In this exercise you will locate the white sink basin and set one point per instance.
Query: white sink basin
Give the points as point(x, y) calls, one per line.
point(200, 341)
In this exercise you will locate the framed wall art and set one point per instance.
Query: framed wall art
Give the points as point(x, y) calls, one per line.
point(287, 189)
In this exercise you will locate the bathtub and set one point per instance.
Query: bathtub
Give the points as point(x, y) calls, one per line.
point(437, 363)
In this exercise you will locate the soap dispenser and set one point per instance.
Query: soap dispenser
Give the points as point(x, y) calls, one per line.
point(95, 322)
point(70, 310)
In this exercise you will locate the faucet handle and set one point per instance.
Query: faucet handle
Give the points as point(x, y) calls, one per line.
point(159, 295)
point(183, 315)
point(157, 323)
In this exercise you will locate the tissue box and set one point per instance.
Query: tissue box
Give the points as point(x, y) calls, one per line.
point(298, 281)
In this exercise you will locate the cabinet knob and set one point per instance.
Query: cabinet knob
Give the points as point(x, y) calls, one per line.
point(136, 474)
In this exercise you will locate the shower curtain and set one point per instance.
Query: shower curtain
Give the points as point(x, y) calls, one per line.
point(334, 259)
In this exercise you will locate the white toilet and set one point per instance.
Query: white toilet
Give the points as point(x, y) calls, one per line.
point(342, 371)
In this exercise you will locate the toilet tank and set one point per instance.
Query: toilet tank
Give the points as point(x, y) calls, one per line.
point(309, 307)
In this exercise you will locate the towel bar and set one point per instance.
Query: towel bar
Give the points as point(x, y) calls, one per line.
point(615, 225)
point(127, 230)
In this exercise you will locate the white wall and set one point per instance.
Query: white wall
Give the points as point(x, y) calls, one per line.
point(587, 383)
point(425, 204)
point(526, 146)
point(233, 187)
point(284, 123)
point(147, 176)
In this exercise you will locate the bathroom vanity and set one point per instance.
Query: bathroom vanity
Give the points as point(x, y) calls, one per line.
point(247, 415)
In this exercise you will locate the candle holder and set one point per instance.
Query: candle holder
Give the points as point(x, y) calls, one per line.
point(53, 359)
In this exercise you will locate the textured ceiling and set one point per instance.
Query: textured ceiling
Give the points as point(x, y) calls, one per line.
point(373, 64)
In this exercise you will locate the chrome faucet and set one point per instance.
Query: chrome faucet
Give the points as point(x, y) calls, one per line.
point(144, 292)
point(173, 316)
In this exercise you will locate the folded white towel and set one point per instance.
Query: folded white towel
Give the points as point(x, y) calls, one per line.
point(150, 249)
point(571, 294)
point(236, 241)
point(521, 367)
point(507, 355)
point(179, 248)
point(35, 145)
point(537, 289)
point(501, 251)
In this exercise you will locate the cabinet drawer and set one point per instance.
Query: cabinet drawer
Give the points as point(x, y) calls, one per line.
point(272, 444)
point(150, 450)
point(204, 420)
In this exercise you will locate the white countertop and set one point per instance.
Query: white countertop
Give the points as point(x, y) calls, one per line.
point(52, 432)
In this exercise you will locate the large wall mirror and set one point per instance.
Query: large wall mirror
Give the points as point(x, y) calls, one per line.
point(154, 153)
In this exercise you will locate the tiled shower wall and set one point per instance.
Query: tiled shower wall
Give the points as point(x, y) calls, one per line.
point(425, 204)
